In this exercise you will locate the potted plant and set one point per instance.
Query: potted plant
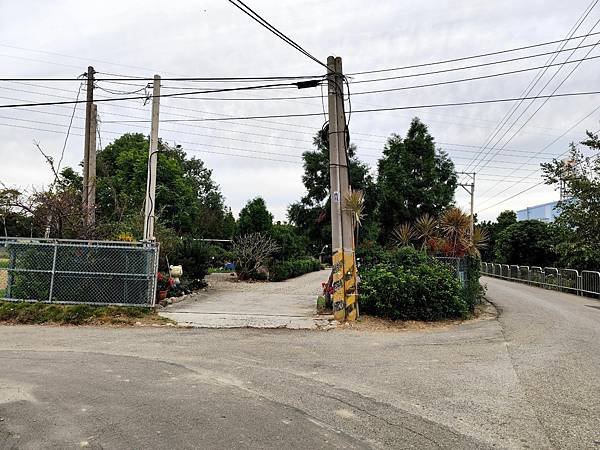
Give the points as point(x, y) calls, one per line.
point(163, 284)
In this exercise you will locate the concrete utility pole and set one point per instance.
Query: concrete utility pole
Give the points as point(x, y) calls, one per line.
point(470, 189)
point(86, 142)
point(91, 172)
point(152, 160)
point(344, 271)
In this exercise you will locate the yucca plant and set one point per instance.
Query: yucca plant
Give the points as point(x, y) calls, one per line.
point(403, 235)
point(479, 241)
point(355, 203)
point(455, 226)
point(426, 229)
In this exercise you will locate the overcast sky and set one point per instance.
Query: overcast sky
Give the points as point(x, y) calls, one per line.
point(212, 38)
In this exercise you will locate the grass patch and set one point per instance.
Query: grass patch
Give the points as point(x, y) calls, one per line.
point(4, 263)
point(38, 313)
point(219, 270)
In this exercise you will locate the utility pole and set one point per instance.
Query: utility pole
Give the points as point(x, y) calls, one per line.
point(344, 270)
point(152, 160)
point(91, 171)
point(86, 142)
point(470, 189)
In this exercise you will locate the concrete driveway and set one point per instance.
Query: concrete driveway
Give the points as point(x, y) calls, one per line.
point(526, 379)
point(231, 304)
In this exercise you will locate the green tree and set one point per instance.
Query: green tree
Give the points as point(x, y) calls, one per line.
point(188, 201)
point(254, 218)
point(312, 214)
point(529, 242)
point(291, 241)
point(413, 178)
point(493, 229)
point(579, 219)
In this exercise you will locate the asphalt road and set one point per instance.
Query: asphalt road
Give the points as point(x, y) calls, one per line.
point(528, 379)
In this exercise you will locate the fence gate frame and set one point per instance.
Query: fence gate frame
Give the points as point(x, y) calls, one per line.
point(70, 271)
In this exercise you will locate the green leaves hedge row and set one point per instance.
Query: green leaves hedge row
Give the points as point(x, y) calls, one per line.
point(282, 270)
point(410, 286)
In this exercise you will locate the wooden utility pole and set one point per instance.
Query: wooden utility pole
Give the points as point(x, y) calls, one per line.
point(344, 270)
point(86, 142)
point(152, 160)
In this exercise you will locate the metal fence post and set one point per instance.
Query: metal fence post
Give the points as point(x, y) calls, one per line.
point(53, 273)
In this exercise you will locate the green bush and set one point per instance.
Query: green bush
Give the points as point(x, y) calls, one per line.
point(194, 256)
point(473, 291)
point(282, 270)
point(427, 290)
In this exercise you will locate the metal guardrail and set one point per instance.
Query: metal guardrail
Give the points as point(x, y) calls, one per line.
point(585, 282)
point(78, 272)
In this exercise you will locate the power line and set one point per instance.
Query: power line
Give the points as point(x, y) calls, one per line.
point(244, 88)
point(260, 20)
point(188, 79)
point(536, 79)
point(397, 108)
point(538, 108)
point(481, 55)
point(62, 153)
point(474, 66)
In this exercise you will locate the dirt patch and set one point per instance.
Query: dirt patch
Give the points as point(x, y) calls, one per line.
point(484, 311)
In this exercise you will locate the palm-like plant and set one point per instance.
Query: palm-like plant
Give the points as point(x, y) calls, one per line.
point(403, 235)
point(355, 203)
point(455, 226)
point(479, 241)
point(426, 229)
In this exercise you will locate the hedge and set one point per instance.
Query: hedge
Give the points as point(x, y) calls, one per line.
point(282, 270)
point(411, 286)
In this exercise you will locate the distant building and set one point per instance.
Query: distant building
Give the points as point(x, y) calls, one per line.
point(545, 212)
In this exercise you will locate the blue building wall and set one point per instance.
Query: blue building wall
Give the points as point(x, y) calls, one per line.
point(545, 212)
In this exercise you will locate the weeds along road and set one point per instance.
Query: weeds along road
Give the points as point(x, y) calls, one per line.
point(528, 379)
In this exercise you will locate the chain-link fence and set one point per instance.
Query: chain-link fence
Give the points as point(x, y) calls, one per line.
point(78, 272)
point(585, 282)
point(457, 265)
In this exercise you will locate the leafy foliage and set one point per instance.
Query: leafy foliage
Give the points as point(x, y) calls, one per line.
point(529, 242)
point(579, 219)
point(424, 291)
point(254, 218)
point(291, 242)
point(187, 200)
point(282, 270)
point(413, 178)
point(493, 229)
point(312, 214)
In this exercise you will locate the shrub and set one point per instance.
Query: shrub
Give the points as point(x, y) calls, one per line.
point(292, 244)
point(282, 270)
point(427, 290)
point(473, 291)
point(252, 251)
point(194, 257)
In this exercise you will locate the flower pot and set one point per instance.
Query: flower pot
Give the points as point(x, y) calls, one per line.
point(162, 295)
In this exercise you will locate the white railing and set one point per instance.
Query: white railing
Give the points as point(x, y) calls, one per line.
point(585, 282)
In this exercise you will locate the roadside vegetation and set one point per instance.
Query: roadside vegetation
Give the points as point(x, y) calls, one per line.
point(406, 203)
point(43, 313)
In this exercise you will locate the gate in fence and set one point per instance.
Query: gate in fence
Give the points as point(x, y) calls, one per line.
point(78, 272)
point(585, 282)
